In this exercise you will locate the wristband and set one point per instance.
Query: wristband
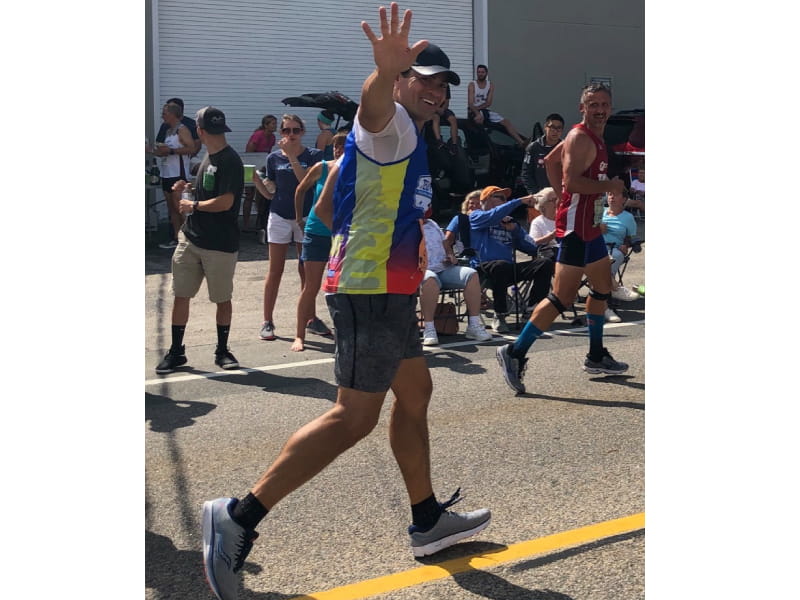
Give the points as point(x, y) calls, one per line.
point(172, 150)
point(194, 205)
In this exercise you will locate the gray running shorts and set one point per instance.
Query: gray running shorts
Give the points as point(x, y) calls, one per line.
point(374, 332)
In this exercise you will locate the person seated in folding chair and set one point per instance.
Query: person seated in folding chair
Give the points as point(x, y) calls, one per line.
point(457, 233)
point(619, 228)
point(496, 237)
point(543, 227)
point(444, 273)
point(458, 239)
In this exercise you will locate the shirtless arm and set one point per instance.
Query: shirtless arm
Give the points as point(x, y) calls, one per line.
point(312, 176)
point(579, 152)
point(471, 96)
point(324, 206)
point(489, 97)
point(187, 143)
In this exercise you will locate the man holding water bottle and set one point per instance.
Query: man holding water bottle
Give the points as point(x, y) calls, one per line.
point(583, 161)
point(208, 243)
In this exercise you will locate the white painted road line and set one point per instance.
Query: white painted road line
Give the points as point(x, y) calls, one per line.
point(321, 361)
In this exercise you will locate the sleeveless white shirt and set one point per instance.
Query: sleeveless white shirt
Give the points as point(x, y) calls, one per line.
point(481, 94)
point(171, 164)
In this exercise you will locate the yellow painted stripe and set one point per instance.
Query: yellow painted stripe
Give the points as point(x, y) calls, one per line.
point(550, 543)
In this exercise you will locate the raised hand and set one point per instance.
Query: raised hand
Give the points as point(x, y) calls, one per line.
point(391, 51)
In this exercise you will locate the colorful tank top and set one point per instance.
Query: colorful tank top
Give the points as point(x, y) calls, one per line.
point(377, 242)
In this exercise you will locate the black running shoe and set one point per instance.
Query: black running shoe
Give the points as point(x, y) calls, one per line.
point(173, 359)
point(606, 365)
point(225, 359)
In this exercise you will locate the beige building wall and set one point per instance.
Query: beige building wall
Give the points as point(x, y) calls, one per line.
point(541, 53)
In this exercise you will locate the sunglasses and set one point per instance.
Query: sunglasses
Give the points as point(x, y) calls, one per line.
point(294, 130)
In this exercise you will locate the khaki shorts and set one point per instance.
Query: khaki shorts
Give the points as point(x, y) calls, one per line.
point(190, 264)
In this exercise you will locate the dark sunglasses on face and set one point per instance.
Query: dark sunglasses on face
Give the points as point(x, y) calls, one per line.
point(294, 130)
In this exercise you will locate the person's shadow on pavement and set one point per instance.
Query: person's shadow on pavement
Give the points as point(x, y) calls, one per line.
point(166, 414)
point(177, 573)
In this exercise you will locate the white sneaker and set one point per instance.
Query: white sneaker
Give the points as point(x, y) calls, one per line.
point(478, 332)
point(499, 324)
point(624, 294)
point(429, 338)
point(611, 316)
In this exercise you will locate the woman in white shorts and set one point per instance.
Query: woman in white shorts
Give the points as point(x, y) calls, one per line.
point(286, 167)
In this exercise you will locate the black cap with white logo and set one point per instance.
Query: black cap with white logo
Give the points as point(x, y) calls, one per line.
point(433, 60)
point(212, 120)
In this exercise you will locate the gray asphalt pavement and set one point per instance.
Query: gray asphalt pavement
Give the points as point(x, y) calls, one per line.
point(566, 455)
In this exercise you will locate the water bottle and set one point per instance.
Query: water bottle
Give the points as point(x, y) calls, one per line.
point(599, 207)
point(155, 174)
point(187, 195)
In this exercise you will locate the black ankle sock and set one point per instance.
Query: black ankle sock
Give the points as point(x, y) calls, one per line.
point(425, 514)
point(177, 336)
point(222, 337)
point(248, 512)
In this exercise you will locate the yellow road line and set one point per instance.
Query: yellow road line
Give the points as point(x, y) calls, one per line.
point(549, 543)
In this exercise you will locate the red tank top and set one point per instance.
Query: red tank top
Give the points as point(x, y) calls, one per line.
point(576, 211)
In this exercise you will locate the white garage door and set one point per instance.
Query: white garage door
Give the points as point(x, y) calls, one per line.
point(245, 56)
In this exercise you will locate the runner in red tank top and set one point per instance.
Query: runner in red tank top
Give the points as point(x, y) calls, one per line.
point(576, 212)
point(577, 170)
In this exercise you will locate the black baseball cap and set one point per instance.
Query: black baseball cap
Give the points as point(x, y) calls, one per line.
point(433, 60)
point(212, 120)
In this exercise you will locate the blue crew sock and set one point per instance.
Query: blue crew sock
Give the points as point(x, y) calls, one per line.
point(595, 325)
point(525, 340)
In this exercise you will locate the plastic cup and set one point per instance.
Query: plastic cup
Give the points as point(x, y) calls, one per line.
point(248, 172)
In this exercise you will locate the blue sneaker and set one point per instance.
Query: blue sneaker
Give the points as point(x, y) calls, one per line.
point(225, 546)
point(451, 527)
